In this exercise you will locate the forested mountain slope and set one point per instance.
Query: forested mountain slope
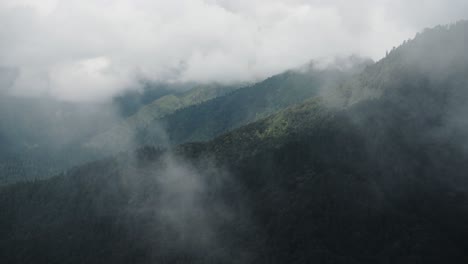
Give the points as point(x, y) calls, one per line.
point(192, 116)
point(41, 136)
point(375, 173)
point(122, 136)
point(212, 118)
point(130, 101)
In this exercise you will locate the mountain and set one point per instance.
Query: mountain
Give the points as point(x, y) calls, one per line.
point(130, 101)
point(121, 136)
point(41, 137)
point(210, 119)
point(207, 111)
point(44, 137)
point(372, 171)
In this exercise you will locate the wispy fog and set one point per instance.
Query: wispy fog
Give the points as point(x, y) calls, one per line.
point(90, 50)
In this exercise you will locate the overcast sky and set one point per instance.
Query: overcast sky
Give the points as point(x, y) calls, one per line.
point(91, 49)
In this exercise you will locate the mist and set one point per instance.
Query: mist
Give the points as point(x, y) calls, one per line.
point(233, 131)
point(91, 51)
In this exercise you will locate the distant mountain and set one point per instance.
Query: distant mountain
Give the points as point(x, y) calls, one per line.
point(121, 137)
point(44, 137)
point(210, 110)
point(205, 121)
point(131, 101)
point(39, 136)
point(372, 171)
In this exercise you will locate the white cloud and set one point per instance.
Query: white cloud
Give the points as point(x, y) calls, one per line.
point(86, 80)
point(89, 50)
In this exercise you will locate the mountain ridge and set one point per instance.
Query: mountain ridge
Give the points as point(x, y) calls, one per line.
point(367, 177)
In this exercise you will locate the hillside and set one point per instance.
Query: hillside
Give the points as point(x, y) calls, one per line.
point(39, 137)
point(207, 111)
point(130, 101)
point(121, 136)
point(205, 121)
point(373, 171)
point(72, 134)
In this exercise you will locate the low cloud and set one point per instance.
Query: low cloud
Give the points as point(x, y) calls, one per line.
point(91, 50)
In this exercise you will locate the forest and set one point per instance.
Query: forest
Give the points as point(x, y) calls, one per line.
point(359, 165)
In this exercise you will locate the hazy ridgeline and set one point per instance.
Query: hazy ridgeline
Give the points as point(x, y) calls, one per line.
point(352, 162)
point(43, 136)
point(200, 131)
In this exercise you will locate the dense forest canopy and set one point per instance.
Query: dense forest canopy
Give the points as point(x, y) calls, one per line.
point(369, 168)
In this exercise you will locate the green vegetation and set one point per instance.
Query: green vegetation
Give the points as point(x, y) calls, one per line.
point(121, 137)
point(372, 172)
point(215, 117)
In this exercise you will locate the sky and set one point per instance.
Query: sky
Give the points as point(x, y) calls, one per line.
point(90, 50)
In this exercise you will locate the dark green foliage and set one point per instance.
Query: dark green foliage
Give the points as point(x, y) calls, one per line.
point(378, 178)
point(121, 137)
point(41, 137)
point(130, 102)
point(205, 121)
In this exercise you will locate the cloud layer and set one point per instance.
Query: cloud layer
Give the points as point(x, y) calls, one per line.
point(89, 50)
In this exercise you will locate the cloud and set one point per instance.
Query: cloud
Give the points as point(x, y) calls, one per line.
point(90, 50)
point(86, 79)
